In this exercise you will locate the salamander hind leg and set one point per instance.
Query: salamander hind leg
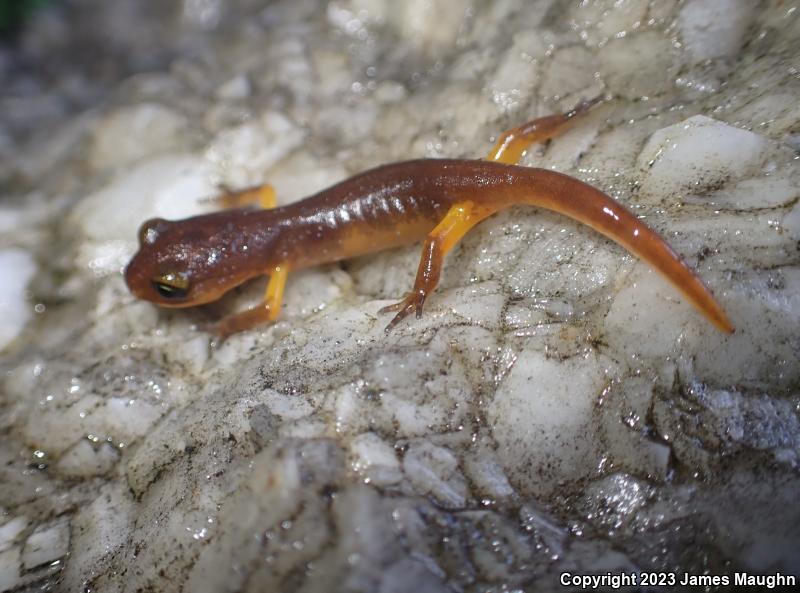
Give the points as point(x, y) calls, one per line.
point(457, 222)
point(264, 312)
point(511, 144)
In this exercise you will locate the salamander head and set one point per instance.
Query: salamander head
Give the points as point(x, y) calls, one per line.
point(185, 263)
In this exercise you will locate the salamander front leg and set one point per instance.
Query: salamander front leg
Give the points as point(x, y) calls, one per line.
point(459, 219)
point(257, 195)
point(264, 312)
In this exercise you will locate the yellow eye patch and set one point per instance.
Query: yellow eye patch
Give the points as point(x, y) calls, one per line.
point(171, 286)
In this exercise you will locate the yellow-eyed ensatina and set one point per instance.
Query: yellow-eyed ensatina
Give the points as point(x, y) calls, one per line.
point(196, 260)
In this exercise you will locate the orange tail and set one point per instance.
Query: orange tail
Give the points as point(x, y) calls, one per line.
point(590, 206)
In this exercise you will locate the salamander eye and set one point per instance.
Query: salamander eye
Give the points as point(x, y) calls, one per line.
point(171, 286)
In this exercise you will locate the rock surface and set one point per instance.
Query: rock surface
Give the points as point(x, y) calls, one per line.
point(557, 409)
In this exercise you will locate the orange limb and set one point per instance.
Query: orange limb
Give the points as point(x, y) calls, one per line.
point(263, 196)
point(266, 311)
point(511, 145)
point(462, 216)
point(257, 195)
point(457, 222)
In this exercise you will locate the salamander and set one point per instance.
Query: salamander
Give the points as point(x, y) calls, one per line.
point(196, 260)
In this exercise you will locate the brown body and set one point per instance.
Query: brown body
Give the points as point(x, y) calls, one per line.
point(202, 257)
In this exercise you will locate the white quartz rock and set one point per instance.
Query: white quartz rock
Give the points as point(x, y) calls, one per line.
point(405, 409)
point(46, 544)
point(430, 26)
point(10, 565)
point(564, 152)
point(600, 20)
point(284, 482)
point(649, 319)
point(85, 460)
point(312, 290)
point(434, 472)
point(17, 267)
point(10, 530)
point(352, 16)
point(396, 578)
point(236, 89)
point(253, 476)
point(300, 175)
point(488, 476)
point(100, 530)
point(642, 65)
point(11, 219)
point(775, 113)
point(765, 308)
point(715, 28)
point(623, 426)
point(127, 418)
point(541, 417)
point(375, 459)
point(287, 406)
point(172, 187)
point(572, 69)
point(791, 222)
point(479, 304)
point(777, 188)
point(560, 267)
point(699, 153)
point(648, 315)
point(242, 154)
point(518, 71)
point(130, 134)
